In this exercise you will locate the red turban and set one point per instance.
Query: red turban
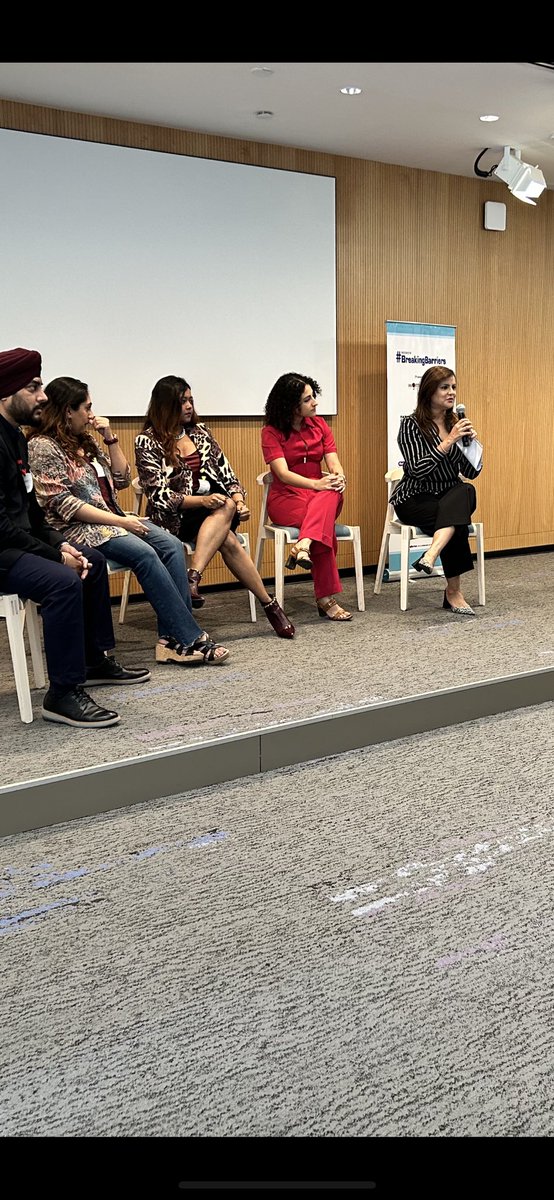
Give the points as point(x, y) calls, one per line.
point(17, 368)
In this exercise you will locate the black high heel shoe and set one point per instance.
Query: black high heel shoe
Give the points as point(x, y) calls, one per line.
point(194, 577)
point(460, 612)
point(421, 565)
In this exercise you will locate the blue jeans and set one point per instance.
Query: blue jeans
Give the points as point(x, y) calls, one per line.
point(158, 561)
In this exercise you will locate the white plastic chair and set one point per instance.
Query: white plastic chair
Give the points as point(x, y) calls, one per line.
point(189, 548)
point(17, 613)
point(411, 533)
point(283, 535)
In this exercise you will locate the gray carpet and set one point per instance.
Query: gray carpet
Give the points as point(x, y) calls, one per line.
point(357, 947)
point(381, 654)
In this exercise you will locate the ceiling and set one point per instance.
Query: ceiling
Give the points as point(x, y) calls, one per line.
point(413, 114)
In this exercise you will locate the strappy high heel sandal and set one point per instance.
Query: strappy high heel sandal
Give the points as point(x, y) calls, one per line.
point(278, 619)
point(298, 558)
point(194, 579)
point(207, 647)
point(324, 611)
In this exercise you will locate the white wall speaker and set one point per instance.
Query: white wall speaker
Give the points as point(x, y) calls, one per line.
point(494, 216)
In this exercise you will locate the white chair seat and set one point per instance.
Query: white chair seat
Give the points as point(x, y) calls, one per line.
point(282, 535)
point(17, 614)
point(409, 533)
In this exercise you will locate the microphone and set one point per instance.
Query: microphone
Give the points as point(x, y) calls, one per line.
point(461, 412)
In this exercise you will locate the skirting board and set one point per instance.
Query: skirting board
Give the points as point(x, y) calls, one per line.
point(37, 803)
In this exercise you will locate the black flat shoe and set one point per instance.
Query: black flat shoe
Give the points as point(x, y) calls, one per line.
point(421, 565)
point(465, 611)
point(77, 708)
point(110, 671)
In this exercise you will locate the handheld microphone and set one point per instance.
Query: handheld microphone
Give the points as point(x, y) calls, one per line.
point(461, 412)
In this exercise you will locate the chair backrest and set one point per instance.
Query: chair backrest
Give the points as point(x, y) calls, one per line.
point(265, 480)
point(138, 496)
point(391, 479)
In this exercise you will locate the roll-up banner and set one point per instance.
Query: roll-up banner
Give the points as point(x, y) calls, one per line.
point(411, 348)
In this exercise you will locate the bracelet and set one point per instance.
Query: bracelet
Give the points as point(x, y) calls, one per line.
point(111, 441)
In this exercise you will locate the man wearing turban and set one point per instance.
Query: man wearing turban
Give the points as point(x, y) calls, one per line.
point(69, 582)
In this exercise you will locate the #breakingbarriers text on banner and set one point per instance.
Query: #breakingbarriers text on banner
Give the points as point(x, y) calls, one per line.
point(411, 348)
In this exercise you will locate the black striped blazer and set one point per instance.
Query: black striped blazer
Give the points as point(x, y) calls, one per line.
point(426, 470)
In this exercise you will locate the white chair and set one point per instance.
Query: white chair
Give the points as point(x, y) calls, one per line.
point(17, 613)
point(283, 535)
point(189, 548)
point(411, 533)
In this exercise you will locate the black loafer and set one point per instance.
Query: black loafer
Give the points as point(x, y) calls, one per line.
point(77, 708)
point(110, 671)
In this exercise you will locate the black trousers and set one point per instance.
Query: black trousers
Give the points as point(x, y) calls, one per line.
point(76, 614)
point(437, 512)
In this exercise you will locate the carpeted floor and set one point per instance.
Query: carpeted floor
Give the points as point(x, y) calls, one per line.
point(381, 654)
point(361, 947)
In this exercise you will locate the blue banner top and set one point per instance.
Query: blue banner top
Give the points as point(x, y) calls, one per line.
point(415, 327)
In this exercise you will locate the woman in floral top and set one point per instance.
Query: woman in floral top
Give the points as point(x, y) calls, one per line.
point(76, 484)
point(193, 491)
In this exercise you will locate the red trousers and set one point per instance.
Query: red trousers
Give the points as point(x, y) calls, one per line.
point(314, 513)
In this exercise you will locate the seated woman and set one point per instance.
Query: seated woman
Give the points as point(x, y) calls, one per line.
point(431, 493)
point(295, 442)
point(76, 484)
point(192, 490)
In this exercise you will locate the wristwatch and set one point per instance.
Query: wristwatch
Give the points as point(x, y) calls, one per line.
point(111, 441)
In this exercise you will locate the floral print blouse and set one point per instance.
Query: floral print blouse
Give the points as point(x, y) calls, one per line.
point(163, 484)
point(63, 485)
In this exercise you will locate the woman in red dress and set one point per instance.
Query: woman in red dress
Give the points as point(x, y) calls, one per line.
point(295, 442)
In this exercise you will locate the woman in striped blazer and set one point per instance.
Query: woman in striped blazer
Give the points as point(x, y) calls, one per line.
point(432, 493)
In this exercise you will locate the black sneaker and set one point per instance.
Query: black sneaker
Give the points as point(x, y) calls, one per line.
point(110, 671)
point(77, 708)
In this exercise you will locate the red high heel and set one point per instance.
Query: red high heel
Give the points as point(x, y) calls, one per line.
point(194, 579)
point(278, 619)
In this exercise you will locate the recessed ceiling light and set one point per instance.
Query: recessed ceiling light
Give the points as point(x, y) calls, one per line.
point(351, 89)
point(263, 113)
point(489, 117)
point(262, 71)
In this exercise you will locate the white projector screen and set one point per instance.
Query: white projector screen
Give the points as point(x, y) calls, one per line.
point(123, 265)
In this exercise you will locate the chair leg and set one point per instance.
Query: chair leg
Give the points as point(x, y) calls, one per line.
point(480, 562)
point(382, 560)
point(251, 596)
point(359, 568)
point(124, 597)
point(279, 543)
point(14, 624)
point(404, 565)
point(33, 633)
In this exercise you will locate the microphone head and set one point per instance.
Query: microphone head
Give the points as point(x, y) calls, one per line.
point(461, 411)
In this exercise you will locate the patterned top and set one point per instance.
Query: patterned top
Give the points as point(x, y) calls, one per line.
point(164, 485)
point(427, 471)
point(63, 485)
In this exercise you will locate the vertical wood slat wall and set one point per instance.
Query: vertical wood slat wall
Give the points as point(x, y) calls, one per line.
point(410, 247)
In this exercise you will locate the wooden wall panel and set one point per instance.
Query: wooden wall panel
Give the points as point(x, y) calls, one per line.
point(410, 247)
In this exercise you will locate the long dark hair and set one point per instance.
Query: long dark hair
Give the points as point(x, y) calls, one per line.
point(284, 399)
point(165, 415)
point(430, 381)
point(63, 393)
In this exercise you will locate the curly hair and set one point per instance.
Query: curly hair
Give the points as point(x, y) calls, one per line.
point(164, 413)
point(63, 393)
point(430, 381)
point(284, 399)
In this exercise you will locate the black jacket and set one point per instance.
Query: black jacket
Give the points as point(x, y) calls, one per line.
point(23, 529)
